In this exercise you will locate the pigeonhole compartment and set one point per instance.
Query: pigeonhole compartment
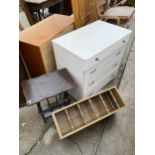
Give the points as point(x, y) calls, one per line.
point(63, 123)
point(99, 106)
point(75, 117)
point(87, 111)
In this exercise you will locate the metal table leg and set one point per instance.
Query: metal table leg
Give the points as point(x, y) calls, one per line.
point(41, 112)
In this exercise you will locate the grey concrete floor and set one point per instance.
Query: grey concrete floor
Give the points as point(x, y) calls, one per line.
point(112, 136)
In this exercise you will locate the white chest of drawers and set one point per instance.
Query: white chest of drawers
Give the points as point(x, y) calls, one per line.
point(92, 55)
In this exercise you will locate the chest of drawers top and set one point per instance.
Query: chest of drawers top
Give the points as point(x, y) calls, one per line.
point(92, 39)
point(45, 30)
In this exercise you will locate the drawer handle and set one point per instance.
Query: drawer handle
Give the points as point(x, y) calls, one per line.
point(118, 53)
point(124, 41)
point(90, 84)
point(115, 65)
point(93, 71)
point(97, 59)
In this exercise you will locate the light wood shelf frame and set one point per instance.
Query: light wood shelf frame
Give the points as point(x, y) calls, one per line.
point(78, 111)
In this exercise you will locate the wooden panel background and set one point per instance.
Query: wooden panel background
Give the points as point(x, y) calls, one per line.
point(130, 3)
point(84, 12)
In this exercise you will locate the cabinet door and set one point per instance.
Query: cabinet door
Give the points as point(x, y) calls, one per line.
point(84, 12)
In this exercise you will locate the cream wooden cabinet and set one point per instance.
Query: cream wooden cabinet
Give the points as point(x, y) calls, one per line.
point(92, 55)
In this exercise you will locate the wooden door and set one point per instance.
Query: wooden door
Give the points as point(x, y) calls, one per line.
point(24, 7)
point(84, 12)
point(130, 2)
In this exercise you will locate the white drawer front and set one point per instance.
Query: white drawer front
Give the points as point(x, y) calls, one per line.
point(99, 57)
point(93, 75)
point(101, 83)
